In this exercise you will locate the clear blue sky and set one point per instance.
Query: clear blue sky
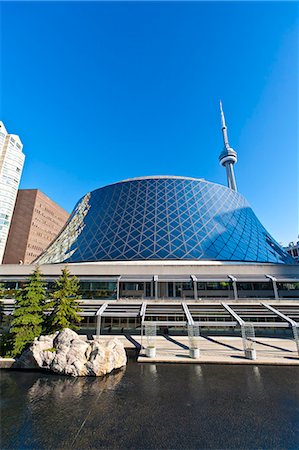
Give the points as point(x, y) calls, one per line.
point(100, 92)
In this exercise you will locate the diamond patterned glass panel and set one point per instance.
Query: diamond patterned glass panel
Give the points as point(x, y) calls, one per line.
point(164, 218)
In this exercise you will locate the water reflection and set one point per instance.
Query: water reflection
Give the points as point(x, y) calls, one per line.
point(254, 381)
point(198, 371)
point(152, 368)
point(149, 406)
point(69, 402)
point(65, 389)
point(257, 375)
point(35, 405)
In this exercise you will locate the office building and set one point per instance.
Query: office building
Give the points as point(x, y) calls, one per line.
point(36, 222)
point(11, 166)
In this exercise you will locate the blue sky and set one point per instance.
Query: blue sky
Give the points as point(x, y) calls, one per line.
point(100, 92)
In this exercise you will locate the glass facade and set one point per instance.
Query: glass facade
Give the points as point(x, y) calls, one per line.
point(288, 289)
point(107, 290)
point(164, 218)
point(97, 290)
point(255, 289)
point(212, 285)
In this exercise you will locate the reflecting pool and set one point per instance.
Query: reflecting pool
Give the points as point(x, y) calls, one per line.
point(148, 406)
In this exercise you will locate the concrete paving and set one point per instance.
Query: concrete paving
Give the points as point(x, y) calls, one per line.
point(215, 349)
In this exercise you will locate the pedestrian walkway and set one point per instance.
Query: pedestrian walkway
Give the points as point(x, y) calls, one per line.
point(215, 349)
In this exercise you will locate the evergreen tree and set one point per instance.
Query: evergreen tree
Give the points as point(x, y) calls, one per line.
point(2, 294)
point(5, 338)
point(65, 307)
point(2, 290)
point(28, 317)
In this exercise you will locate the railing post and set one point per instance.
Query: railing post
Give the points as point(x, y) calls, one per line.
point(247, 332)
point(188, 314)
point(292, 322)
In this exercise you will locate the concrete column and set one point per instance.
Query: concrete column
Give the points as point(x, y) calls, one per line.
point(235, 290)
point(276, 295)
point(194, 279)
point(195, 290)
point(156, 286)
point(234, 282)
point(99, 320)
point(274, 283)
point(117, 289)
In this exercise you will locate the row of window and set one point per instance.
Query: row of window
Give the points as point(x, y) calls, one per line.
point(88, 290)
point(217, 286)
point(108, 289)
point(51, 216)
point(186, 286)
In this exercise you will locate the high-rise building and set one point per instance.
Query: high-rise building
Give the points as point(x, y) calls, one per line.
point(36, 222)
point(11, 166)
point(293, 250)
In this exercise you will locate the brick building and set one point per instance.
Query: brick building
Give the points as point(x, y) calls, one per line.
point(36, 222)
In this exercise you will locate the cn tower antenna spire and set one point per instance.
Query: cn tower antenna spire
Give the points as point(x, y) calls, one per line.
point(228, 156)
point(224, 127)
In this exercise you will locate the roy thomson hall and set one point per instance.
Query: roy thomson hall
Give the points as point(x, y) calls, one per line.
point(173, 251)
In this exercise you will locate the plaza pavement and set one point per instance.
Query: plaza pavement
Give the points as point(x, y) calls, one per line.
point(214, 349)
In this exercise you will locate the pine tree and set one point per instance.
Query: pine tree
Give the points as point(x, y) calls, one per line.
point(28, 317)
point(2, 294)
point(65, 307)
point(5, 337)
point(2, 290)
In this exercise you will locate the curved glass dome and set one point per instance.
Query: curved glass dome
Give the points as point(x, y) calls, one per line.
point(164, 218)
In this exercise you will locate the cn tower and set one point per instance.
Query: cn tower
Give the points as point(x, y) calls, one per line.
point(228, 156)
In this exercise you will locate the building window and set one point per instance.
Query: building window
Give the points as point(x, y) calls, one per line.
point(288, 286)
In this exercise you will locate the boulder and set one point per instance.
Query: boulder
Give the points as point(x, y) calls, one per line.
point(65, 352)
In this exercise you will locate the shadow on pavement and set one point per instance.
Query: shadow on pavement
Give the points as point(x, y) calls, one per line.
point(133, 341)
point(170, 339)
point(221, 343)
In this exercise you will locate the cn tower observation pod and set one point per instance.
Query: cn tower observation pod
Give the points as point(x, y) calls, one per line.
point(164, 218)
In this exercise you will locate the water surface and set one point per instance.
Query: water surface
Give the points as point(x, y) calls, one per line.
point(147, 406)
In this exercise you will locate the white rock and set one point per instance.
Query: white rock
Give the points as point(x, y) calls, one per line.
point(65, 337)
point(66, 353)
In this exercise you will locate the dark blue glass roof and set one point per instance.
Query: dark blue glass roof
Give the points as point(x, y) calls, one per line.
point(164, 218)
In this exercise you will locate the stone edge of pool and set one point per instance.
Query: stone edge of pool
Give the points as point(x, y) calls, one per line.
point(180, 360)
